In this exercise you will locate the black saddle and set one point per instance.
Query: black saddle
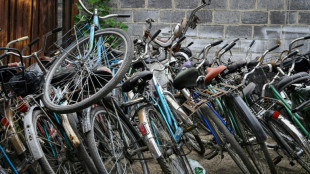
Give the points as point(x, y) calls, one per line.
point(186, 79)
point(137, 80)
point(286, 81)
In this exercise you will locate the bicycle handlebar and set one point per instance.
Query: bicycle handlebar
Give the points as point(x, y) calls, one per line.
point(155, 35)
point(252, 43)
point(30, 44)
point(103, 17)
point(22, 38)
point(216, 43)
point(181, 40)
point(229, 47)
point(33, 42)
point(273, 48)
point(56, 30)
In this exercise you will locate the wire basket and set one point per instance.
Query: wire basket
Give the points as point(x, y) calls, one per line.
point(261, 105)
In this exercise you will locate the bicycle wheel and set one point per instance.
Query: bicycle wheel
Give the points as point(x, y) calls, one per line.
point(257, 150)
point(192, 138)
point(112, 145)
point(228, 141)
point(292, 144)
point(58, 156)
point(82, 76)
point(172, 161)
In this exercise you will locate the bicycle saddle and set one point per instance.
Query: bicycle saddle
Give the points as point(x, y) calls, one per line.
point(186, 79)
point(137, 80)
point(212, 73)
point(288, 80)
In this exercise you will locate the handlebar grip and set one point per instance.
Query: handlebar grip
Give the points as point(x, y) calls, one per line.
point(216, 43)
point(273, 48)
point(252, 43)
point(225, 46)
point(190, 44)
point(229, 47)
point(22, 38)
point(124, 15)
point(300, 45)
point(34, 41)
point(181, 40)
point(155, 35)
point(292, 54)
point(204, 1)
point(236, 40)
point(56, 30)
point(307, 37)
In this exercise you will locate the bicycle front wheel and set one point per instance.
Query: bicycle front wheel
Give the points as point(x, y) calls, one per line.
point(58, 155)
point(84, 74)
point(112, 145)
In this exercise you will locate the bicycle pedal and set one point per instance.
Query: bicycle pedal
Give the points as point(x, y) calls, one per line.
point(277, 160)
point(212, 154)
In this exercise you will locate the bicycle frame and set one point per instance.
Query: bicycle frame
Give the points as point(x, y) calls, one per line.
point(165, 111)
point(195, 97)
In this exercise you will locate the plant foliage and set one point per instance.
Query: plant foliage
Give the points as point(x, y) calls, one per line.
point(103, 9)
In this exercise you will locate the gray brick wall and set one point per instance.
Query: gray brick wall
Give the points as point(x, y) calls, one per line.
point(267, 21)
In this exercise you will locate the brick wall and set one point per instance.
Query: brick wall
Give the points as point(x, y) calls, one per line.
point(267, 21)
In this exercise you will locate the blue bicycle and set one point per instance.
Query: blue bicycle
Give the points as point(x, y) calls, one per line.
point(82, 74)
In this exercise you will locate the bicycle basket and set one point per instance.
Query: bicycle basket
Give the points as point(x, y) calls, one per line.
point(31, 79)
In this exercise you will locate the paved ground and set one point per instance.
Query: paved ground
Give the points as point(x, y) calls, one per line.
point(227, 165)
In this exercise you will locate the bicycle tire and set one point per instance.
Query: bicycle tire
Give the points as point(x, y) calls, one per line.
point(53, 156)
point(257, 150)
point(91, 77)
point(98, 155)
point(82, 153)
point(193, 137)
point(286, 137)
point(164, 139)
point(224, 136)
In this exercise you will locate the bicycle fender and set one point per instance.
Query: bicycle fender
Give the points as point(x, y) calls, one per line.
point(249, 117)
point(149, 138)
point(290, 127)
point(30, 135)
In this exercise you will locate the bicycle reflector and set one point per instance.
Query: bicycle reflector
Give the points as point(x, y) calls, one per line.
point(275, 115)
point(5, 122)
point(142, 129)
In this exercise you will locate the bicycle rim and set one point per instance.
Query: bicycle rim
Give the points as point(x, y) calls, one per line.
point(55, 145)
point(114, 143)
point(80, 77)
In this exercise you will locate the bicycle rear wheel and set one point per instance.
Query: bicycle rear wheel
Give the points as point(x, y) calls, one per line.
point(228, 141)
point(83, 75)
point(297, 146)
point(112, 145)
point(58, 157)
point(247, 137)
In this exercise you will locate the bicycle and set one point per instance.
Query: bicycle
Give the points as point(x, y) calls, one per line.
point(87, 63)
